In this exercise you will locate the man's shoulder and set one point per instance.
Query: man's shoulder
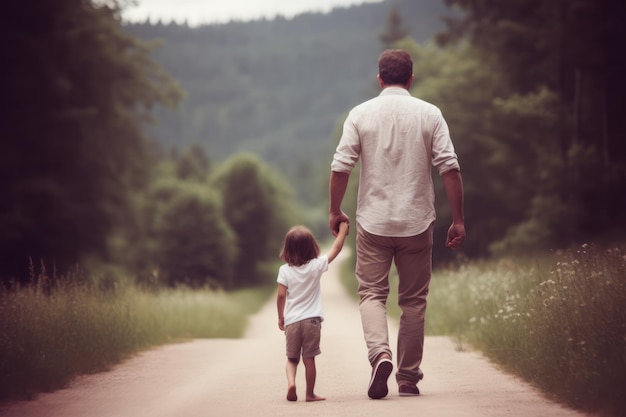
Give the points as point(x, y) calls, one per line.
point(427, 105)
point(381, 101)
point(365, 104)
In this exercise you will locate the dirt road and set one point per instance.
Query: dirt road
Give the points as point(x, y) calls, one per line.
point(246, 378)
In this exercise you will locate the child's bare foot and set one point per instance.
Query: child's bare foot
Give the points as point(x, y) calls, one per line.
point(291, 394)
point(314, 397)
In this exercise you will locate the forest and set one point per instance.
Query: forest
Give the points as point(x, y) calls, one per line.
point(181, 154)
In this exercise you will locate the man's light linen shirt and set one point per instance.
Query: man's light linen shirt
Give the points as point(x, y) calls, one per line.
point(398, 138)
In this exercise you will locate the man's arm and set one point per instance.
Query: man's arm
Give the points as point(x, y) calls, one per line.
point(337, 190)
point(339, 241)
point(453, 184)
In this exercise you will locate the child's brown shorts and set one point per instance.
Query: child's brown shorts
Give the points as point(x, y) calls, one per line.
point(303, 337)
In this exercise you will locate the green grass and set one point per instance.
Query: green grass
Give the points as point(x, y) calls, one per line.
point(558, 321)
point(49, 336)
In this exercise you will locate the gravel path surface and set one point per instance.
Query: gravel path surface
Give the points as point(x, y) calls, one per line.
point(246, 377)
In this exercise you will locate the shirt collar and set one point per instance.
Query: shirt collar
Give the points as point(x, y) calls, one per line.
point(395, 91)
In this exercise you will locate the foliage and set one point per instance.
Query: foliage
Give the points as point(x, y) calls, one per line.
point(184, 237)
point(193, 164)
point(395, 29)
point(203, 226)
point(193, 243)
point(558, 322)
point(76, 95)
point(554, 111)
point(256, 206)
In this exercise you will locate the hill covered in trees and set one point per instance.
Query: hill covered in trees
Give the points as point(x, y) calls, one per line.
point(277, 88)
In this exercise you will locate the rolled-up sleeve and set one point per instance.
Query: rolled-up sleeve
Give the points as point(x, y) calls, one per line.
point(444, 157)
point(349, 149)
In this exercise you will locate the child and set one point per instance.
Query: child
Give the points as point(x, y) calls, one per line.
point(299, 302)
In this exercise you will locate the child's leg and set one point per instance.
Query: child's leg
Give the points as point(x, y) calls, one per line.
point(291, 368)
point(311, 375)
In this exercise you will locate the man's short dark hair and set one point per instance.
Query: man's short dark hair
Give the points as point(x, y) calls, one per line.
point(395, 66)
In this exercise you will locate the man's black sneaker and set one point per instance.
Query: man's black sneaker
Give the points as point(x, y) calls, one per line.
point(378, 384)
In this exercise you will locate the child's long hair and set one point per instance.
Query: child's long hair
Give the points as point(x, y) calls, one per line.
point(300, 246)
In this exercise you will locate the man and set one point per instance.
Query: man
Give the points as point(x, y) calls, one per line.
point(398, 138)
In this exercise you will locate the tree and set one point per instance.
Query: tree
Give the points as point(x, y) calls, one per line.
point(75, 97)
point(394, 30)
point(193, 243)
point(256, 205)
point(556, 113)
point(193, 164)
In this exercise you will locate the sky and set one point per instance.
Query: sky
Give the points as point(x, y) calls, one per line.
point(197, 12)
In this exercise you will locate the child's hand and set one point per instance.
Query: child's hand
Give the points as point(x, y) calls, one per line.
point(344, 227)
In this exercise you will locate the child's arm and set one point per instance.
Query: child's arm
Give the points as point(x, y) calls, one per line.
point(339, 240)
point(280, 305)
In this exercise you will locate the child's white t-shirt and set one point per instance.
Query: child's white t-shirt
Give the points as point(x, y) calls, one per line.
point(304, 298)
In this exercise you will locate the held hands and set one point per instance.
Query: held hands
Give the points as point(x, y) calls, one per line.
point(344, 227)
point(456, 235)
point(335, 220)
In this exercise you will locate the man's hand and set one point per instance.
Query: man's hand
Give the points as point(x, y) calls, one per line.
point(335, 219)
point(337, 188)
point(453, 184)
point(456, 235)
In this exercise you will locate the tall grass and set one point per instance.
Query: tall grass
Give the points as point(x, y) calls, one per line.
point(559, 322)
point(48, 334)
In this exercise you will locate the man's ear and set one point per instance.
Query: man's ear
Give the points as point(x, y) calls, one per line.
point(410, 83)
point(380, 81)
